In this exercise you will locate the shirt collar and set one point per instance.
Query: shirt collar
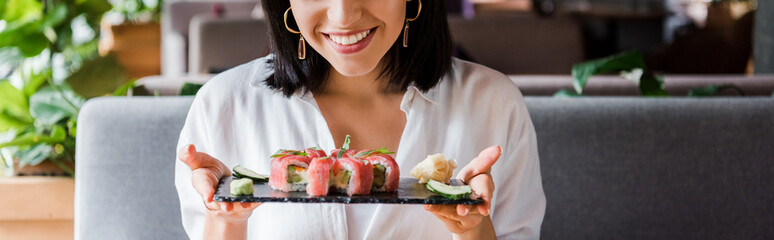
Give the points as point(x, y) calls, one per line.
point(430, 96)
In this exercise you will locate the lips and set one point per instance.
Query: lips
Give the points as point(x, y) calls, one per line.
point(351, 42)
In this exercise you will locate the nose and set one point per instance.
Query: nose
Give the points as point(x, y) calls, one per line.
point(345, 13)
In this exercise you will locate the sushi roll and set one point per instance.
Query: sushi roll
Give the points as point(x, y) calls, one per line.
point(347, 153)
point(315, 152)
point(385, 169)
point(344, 150)
point(352, 175)
point(289, 171)
point(319, 176)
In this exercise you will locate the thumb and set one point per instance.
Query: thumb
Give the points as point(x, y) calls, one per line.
point(481, 164)
point(195, 160)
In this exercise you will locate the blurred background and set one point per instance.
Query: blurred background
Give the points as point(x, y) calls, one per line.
point(55, 55)
point(676, 36)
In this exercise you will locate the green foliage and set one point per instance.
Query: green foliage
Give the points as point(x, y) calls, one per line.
point(631, 66)
point(123, 90)
point(626, 61)
point(14, 107)
point(190, 89)
point(21, 10)
point(139, 10)
point(50, 106)
point(711, 90)
point(98, 77)
point(39, 111)
point(566, 93)
point(629, 63)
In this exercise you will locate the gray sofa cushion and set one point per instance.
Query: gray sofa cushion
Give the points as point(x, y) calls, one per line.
point(638, 168)
point(124, 182)
point(613, 168)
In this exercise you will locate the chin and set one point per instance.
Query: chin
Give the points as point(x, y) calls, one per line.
point(355, 68)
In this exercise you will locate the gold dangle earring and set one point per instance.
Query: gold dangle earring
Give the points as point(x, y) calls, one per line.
point(301, 41)
point(406, 27)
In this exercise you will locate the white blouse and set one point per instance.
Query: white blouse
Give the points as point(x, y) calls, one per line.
point(237, 119)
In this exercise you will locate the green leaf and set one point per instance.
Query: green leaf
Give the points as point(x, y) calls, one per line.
point(58, 133)
point(362, 154)
point(8, 122)
point(344, 147)
point(190, 89)
point(34, 82)
point(652, 85)
point(27, 38)
point(566, 93)
point(622, 62)
point(22, 10)
point(284, 152)
point(49, 106)
point(368, 153)
point(384, 151)
point(94, 9)
point(33, 44)
point(76, 55)
point(34, 155)
point(711, 90)
point(123, 90)
point(98, 77)
point(13, 103)
point(72, 126)
point(57, 17)
point(29, 139)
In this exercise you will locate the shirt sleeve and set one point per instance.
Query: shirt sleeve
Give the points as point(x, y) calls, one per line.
point(194, 132)
point(519, 202)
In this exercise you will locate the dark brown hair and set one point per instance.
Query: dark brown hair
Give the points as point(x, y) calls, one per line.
point(424, 62)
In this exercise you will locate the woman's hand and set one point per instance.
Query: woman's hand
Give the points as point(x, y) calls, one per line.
point(472, 221)
point(206, 172)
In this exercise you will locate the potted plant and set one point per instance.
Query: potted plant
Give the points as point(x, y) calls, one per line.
point(49, 66)
point(132, 32)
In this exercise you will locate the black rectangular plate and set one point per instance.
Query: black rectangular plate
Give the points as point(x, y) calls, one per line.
point(409, 192)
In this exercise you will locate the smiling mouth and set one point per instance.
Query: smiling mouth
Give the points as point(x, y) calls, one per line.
point(351, 39)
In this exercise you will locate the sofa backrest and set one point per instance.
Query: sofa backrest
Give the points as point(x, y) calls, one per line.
point(124, 176)
point(674, 85)
point(613, 168)
point(650, 168)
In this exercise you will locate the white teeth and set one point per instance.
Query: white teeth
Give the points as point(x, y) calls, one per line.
point(351, 39)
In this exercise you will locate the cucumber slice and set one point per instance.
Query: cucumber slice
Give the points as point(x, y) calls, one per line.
point(379, 173)
point(242, 187)
point(447, 191)
point(243, 172)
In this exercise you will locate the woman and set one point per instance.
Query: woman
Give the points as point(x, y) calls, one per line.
point(382, 72)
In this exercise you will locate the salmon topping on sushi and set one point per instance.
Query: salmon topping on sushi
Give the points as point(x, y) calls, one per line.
point(344, 170)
